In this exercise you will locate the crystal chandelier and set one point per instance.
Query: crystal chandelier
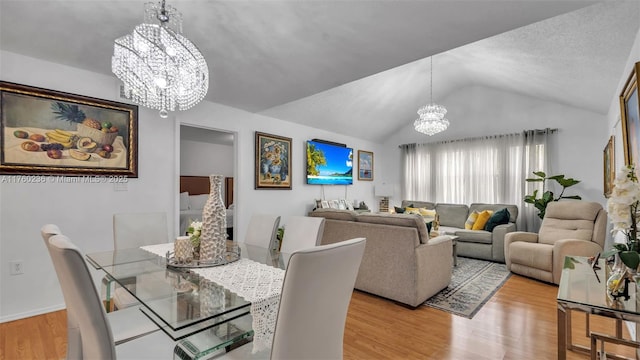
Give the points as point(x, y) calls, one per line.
point(160, 68)
point(431, 120)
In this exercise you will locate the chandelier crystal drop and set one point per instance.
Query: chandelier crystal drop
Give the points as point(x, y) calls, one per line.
point(432, 117)
point(160, 68)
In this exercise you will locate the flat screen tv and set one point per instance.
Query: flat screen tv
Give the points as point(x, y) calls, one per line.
point(329, 164)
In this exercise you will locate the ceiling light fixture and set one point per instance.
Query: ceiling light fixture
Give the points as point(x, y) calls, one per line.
point(431, 120)
point(160, 68)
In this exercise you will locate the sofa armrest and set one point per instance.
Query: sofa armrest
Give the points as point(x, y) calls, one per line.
point(571, 247)
point(434, 266)
point(497, 239)
point(516, 236)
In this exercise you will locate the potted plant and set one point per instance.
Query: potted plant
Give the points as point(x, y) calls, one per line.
point(547, 196)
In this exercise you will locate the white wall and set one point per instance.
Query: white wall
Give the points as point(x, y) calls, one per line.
point(199, 158)
point(84, 211)
point(576, 151)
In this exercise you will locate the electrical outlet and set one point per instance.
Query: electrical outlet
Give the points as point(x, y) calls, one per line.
point(16, 267)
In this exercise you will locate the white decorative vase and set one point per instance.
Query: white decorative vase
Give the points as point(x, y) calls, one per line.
point(213, 237)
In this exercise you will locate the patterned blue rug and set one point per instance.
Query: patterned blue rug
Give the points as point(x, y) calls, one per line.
point(474, 282)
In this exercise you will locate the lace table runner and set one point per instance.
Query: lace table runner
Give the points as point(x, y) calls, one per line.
point(257, 283)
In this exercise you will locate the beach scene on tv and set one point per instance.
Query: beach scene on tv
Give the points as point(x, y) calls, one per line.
point(329, 164)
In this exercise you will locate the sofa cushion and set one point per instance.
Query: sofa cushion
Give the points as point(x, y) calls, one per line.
point(418, 204)
point(568, 220)
point(335, 214)
point(475, 236)
point(482, 220)
point(531, 255)
point(471, 220)
point(454, 215)
point(513, 209)
point(498, 218)
point(407, 220)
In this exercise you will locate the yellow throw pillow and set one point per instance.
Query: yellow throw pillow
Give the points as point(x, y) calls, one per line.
point(471, 220)
point(411, 210)
point(482, 219)
point(427, 212)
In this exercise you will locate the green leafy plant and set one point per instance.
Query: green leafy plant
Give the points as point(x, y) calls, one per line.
point(547, 196)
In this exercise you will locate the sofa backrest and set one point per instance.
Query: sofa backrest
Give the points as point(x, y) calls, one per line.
point(334, 214)
point(453, 215)
point(418, 204)
point(406, 220)
point(573, 220)
point(479, 207)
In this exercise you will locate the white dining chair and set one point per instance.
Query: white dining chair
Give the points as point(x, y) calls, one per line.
point(262, 230)
point(301, 232)
point(315, 298)
point(97, 337)
point(131, 230)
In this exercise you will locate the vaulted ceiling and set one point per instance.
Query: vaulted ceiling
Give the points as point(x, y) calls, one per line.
point(337, 64)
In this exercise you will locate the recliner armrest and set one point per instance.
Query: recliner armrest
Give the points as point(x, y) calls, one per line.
point(571, 247)
point(516, 236)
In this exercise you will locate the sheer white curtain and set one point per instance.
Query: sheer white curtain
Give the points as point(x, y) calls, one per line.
point(489, 169)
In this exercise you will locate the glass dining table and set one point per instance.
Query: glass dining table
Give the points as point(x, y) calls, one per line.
point(201, 313)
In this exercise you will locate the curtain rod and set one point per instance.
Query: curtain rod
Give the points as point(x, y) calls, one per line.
point(537, 131)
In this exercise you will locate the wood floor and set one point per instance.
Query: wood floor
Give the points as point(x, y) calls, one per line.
point(519, 322)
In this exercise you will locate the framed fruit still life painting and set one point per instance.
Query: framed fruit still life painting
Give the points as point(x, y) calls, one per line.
point(50, 132)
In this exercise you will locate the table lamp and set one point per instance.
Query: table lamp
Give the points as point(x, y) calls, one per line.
point(383, 191)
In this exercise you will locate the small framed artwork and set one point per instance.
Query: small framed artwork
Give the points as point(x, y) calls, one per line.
point(334, 204)
point(630, 116)
point(325, 204)
point(609, 165)
point(273, 162)
point(365, 165)
point(318, 204)
point(50, 132)
point(342, 204)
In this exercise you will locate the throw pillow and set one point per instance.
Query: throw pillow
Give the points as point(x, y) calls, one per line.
point(427, 212)
point(411, 210)
point(399, 210)
point(498, 218)
point(471, 220)
point(482, 219)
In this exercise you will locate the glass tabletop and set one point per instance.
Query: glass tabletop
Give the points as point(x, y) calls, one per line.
point(177, 300)
point(582, 285)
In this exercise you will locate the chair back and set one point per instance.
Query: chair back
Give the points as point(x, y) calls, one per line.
point(131, 230)
point(74, 342)
point(262, 230)
point(316, 292)
point(302, 232)
point(568, 219)
point(82, 299)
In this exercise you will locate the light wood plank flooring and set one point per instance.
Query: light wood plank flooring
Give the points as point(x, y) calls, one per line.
point(519, 322)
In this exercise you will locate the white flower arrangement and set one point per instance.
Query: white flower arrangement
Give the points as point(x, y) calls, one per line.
point(622, 208)
point(194, 231)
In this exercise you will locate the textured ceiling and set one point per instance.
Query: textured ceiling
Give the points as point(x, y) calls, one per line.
point(335, 64)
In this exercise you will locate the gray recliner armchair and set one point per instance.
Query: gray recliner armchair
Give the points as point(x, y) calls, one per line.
point(575, 228)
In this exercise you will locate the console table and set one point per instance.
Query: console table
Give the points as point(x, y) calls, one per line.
point(583, 288)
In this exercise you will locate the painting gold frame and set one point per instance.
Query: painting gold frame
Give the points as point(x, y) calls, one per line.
point(630, 118)
point(273, 162)
point(32, 120)
point(609, 167)
point(365, 165)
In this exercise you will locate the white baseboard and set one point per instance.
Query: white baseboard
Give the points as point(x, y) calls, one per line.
point(27, 314)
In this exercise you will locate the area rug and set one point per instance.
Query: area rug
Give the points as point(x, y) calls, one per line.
point(473, 284)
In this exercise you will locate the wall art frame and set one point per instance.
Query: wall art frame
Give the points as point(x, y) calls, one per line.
point(609, 167)
point(272, 162)
point(365, 165)
point(630, 118)
point(46, 132)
